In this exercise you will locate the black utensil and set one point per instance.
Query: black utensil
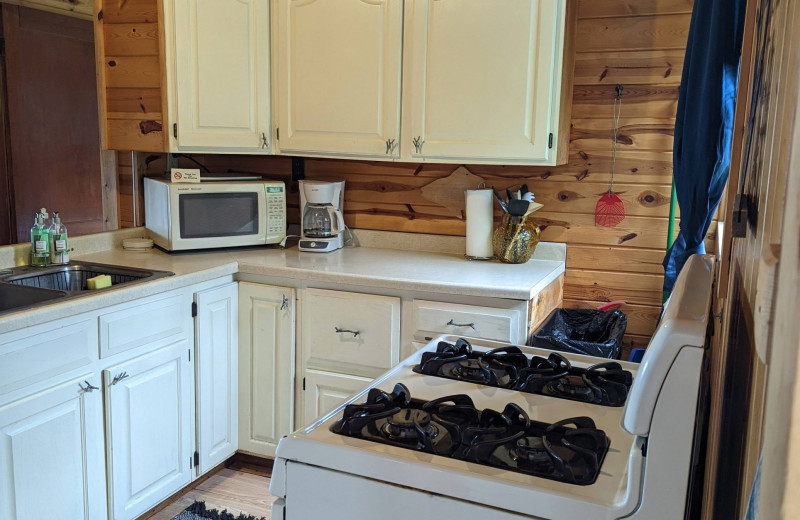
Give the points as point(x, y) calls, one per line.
point(503, 204)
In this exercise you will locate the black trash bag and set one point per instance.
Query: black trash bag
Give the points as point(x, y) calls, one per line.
point(583, 331)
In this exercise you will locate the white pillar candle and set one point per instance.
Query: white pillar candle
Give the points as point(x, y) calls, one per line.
point(479, 223)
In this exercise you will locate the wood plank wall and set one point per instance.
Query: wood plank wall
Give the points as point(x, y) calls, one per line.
point(637, 43)
point(131, 84)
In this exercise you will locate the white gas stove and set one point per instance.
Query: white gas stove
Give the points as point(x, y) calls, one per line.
point(539, 435)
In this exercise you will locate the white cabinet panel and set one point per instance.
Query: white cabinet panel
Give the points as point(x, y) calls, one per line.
point(52, 456)
point(149, 403)
point(266, 366)
point(482, 79)
point(338, 76)
point(354, 332)
point(142, 324)
point(34, 354)
point(217, 368)
point(324, 391)
point(432, 318)
point(222, 74)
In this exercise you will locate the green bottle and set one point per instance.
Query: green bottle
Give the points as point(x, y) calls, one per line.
point(59, 250)
point(40, 240)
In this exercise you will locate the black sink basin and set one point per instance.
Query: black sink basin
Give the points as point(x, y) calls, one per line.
point(16, 297)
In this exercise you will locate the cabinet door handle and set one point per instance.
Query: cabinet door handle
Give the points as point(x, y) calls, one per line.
point(454, 324)
point(117, 378)
point(391, 144)
point(418, 142)
point(264, 143)
point(285, 303)
point(88, 388)
point(355, 333)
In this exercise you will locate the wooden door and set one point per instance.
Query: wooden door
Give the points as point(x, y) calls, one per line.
point(217, 369)
point(266, 366)
point(52, 111)
point(222, 75)
point(150, 431)
point(338, 76)
point(52, 461)
point(324, 391)
point(483, 79)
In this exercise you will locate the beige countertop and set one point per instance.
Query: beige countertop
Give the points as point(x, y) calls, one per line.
point(403, 263)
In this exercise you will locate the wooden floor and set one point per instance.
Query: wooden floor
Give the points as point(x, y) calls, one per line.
point(235, 488)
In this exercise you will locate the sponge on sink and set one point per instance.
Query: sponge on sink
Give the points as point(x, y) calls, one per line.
point(99, 282)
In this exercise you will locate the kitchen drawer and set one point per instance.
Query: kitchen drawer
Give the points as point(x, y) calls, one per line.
point(33, 355)
point(342, 329)
point(433, 318)
point(138, 325)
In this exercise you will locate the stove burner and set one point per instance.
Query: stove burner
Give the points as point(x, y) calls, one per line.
point(605, 384)
point(409, 425)
point(569, 451)
point(474, 370)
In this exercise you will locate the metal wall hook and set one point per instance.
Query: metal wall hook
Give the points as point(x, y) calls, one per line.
point(418, 142)
point(454, 324)
point(355, 333)
point(391, 144)
point(118, 378)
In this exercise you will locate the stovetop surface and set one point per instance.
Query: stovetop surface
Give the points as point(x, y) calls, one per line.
point(571, 450)
point(317, 444)
point(604, 383)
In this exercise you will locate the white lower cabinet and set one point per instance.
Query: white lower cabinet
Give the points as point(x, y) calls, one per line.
point(52, 454)
point(266, 366)
point(217, 369)
point(324, 391)
point(149, 402)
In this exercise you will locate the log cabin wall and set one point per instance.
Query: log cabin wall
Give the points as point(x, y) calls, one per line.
point(639, 44)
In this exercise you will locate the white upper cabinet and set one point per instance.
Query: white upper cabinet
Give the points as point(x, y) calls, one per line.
point(222, 72)
point(482, 80)
point(338, 77)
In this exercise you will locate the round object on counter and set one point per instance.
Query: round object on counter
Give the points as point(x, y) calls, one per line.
point(137, 244)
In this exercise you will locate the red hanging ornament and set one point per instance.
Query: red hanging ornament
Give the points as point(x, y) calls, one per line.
point(610, 209)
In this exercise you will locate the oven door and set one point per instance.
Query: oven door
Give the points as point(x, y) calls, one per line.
point(218, 215)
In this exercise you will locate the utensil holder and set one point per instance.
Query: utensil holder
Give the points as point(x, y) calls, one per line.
point(515, 239)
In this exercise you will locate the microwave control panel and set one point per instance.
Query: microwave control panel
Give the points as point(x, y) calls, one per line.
point(276, 210)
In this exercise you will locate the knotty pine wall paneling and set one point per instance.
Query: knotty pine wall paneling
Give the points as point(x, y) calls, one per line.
point(637, 43)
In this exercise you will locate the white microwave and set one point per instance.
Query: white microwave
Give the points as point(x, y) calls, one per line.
point(184, 216)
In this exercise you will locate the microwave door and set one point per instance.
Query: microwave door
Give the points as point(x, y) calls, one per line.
point(220, 219)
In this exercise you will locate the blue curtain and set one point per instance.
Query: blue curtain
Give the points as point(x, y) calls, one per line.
point(704, 123)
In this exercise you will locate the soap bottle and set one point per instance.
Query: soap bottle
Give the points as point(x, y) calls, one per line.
point(59, 249)
point(40, 241)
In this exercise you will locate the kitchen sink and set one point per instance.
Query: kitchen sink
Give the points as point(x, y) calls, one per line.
point(27, 286)
point(15, 297)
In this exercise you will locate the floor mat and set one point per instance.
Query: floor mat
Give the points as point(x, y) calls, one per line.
point(198, 511)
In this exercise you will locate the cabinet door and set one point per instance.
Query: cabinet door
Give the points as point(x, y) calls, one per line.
point(483, 79)
point(266, 366)
point(51, 454)
point(324, 391)
point(217, 367)
point(149, 403)
point(222, 74)
point(338, 76)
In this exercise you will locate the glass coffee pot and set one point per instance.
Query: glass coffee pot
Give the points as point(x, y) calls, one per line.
point(322, 221)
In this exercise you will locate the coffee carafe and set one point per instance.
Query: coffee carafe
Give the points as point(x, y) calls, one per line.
point(321, 219)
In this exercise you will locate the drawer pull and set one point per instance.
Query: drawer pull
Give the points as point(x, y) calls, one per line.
point(470, 325)
point(88, 388)
point(118, 378)
point(355, 333)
